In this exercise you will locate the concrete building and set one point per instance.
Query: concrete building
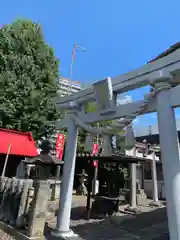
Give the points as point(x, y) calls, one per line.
point(68, 87)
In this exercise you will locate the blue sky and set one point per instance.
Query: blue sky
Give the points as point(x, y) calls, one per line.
point(119, 35)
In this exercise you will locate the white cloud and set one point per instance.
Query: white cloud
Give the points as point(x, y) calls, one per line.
point(121, 100)
point(136, 120)
point(154, 115)
point(124, 99)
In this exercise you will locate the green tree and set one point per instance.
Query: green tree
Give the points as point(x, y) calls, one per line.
point(28, 78)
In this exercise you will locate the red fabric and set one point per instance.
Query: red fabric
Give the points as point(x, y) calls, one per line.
point(94, 149)
point(94, 153)
point(59, 145)
point(22, 143)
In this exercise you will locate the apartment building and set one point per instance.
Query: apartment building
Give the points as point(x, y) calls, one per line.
point(68, 87)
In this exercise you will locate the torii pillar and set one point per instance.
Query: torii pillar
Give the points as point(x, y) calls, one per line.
point(170, 154)
point(62, 230)
point(155, 202)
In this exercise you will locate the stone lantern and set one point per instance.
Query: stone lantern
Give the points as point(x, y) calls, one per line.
point(82, 190)
point(45, 167)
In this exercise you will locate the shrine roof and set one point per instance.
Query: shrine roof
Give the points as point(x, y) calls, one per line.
point(121, 158)
point(22, 143)
point(151, 133)
point(170, 50)
point(43, 159)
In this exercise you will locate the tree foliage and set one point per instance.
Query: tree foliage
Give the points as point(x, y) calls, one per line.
point(28, 78)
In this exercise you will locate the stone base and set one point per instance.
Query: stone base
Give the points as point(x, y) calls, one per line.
point(133, 210)
point(81, 190)
point(16, 234)
point(156, 204)
point(55, 188)
point(63, 235)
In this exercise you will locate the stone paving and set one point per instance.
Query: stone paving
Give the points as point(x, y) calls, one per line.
point(151, 224)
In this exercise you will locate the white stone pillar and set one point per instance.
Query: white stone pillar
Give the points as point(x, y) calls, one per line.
point(154, 178)
point(64, 212)
point(170, 159)
point(133, 182)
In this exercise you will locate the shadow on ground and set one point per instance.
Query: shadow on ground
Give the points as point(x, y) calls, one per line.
point(77, 213)
point(147, 226)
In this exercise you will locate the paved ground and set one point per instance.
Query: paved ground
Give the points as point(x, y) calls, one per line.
point(5, 236)
point(149, 225)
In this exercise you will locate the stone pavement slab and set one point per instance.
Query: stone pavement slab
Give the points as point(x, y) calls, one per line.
point(149, 225)
point(145, 226)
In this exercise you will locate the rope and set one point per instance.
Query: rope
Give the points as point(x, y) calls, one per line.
point(117, 125)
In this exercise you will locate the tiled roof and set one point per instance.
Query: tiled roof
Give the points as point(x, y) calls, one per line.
point(153, 129)
point(171, 49)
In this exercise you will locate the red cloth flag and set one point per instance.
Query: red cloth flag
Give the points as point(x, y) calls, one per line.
point(60, 140)
point(94, 153)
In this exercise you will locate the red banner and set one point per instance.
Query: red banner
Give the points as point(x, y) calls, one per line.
point(60, 139)
point(94, 153)
point(94, 149)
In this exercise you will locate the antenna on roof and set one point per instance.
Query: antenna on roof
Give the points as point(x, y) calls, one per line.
point(76, 48)
point(150, 129)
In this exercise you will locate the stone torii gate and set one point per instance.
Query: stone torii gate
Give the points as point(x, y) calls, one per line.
point(163, 75)
point(153, 159)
